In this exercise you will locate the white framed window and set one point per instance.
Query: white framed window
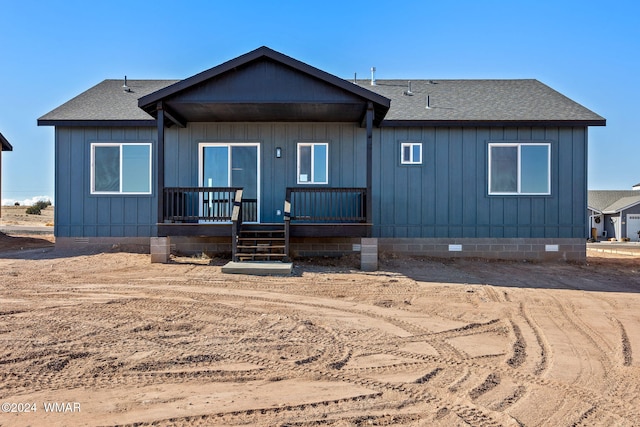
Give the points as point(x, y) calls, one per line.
point(411, 153)
point(313, 163)
point(520, 168)
point(120, 168)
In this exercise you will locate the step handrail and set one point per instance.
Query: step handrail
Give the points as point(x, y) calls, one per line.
point(287, 222)
point(236, 224)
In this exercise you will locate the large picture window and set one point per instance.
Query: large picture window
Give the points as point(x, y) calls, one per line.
point(519, 168)
point(313, 163)
point(120, 168)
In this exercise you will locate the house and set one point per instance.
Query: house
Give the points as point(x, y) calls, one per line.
point(291, 160)
point(4, 146)
point(614, 214)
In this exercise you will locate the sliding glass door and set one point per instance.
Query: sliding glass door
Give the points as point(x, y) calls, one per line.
point(232, 165)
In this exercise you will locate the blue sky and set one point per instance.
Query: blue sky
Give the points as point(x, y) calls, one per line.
point(50, 51)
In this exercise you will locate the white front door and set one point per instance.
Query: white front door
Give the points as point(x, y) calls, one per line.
point(233, 165)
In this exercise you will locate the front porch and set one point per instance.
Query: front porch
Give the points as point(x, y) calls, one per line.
point(225, 212)
point(261, 124)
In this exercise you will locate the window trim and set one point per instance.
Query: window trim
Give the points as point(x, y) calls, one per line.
point(120, 192)
point(412, 161)
point(519, 146)
point(312, 181)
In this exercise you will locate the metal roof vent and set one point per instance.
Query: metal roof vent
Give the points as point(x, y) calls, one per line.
point(373, 76)
point(408, 91)
point(428, 103)
point(124, 86)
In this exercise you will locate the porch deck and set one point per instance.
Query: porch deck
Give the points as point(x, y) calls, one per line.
point(222, 211)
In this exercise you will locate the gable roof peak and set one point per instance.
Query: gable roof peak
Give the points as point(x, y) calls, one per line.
point(381, 103)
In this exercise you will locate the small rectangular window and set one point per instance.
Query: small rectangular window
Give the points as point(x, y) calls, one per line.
point(519, 168)
point(313, 163)
point(119, 168)
point(411, 153)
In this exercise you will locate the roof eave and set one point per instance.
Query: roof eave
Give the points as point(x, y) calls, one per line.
point(98, 123)
point(4, 144)
point(492, 123)
point(624, 208)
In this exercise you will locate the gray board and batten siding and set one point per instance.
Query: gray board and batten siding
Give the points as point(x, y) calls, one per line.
point(445, 196)
point(80, 214)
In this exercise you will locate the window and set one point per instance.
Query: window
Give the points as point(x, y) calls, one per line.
point(118, 168)
point(411, 153)
point(313, 163)
point(522, 168)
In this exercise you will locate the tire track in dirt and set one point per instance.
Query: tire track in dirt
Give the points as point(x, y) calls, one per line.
point(519, 354)
point(618, 408)
point(443, 354)
point(603, 348)
point(258, 416)
point(312, 349)
point(627, 355)
point(543, 345)
point(469, 413)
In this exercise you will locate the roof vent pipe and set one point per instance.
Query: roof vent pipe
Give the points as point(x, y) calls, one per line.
point(373, 76)
point(428, 103)
point(408, 91)
point(124, 86)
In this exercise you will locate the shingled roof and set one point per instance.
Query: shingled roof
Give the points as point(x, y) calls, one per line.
point(106, 102)
point(467, 102)
point(451, 102)
point(612, 201)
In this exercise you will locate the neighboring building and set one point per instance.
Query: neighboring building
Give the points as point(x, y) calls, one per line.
point(615, 214)
point(4, 146)
point(492, 168)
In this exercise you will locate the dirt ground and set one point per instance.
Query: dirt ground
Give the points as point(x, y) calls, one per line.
point(116, 340)
point(17, 215)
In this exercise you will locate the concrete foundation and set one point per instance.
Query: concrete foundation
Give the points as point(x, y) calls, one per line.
point(104, 244)
point(160, 249)
point(369, 254)
point(530, 249)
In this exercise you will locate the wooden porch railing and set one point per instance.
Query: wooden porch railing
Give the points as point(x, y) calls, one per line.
point(211, 204)
point(322, 205)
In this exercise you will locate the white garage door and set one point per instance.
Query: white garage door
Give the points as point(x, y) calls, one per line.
point(633, 225)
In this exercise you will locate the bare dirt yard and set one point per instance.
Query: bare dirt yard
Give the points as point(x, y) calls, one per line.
point(112, 339)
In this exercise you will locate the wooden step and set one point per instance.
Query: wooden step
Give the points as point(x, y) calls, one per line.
point(261, 239)
point(261, 247)
point(261, 242)
point(257, 257)
point(262, 228)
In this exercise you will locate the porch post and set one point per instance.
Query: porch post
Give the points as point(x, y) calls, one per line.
point(160, 162)
point(0, 180)
point(369, 205)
